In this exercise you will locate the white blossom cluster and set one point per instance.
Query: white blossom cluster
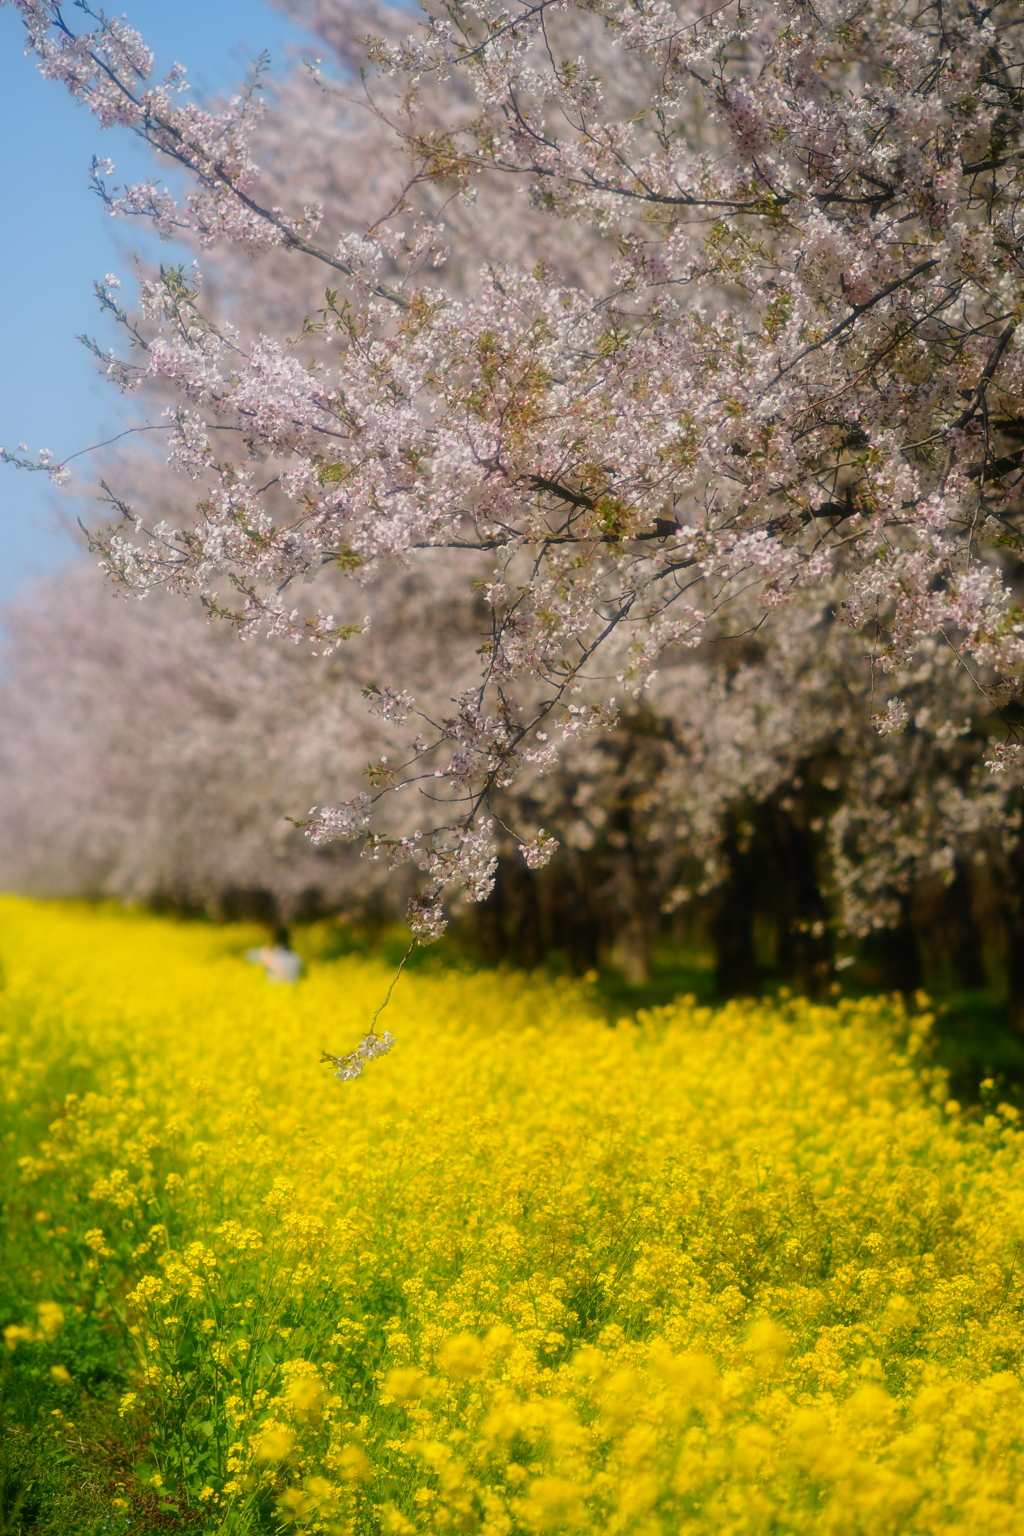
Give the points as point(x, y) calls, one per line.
point(349, 1067)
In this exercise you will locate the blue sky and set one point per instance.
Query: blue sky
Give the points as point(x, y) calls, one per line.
point(57, 240)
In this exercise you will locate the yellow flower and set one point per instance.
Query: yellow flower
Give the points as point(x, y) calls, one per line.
point(51, 1318)
point(352, 1464)
point(461, 1356)
point(404, 1384)
point(275, 1443)
point(305, 1397)
point(729, 1269)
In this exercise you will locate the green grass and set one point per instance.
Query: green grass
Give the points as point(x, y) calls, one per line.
point(63, 1461)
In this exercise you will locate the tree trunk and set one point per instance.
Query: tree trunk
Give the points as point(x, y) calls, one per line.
point(732, 928)
point(794, 898)
point(1013, 918)
point(898, 956)
point(966, 962)
point(630, 952)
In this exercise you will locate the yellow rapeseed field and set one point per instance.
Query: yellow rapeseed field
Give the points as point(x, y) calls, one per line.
point(733, 1271)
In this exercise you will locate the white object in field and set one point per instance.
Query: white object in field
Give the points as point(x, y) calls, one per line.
point(279, 963)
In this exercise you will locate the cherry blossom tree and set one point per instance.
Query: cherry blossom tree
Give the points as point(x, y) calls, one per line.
point(766, 382)
point(148, 754)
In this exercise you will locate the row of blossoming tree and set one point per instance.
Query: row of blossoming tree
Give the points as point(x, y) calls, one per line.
point(638, 386)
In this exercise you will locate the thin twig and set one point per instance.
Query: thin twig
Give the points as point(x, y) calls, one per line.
point(394, 979)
